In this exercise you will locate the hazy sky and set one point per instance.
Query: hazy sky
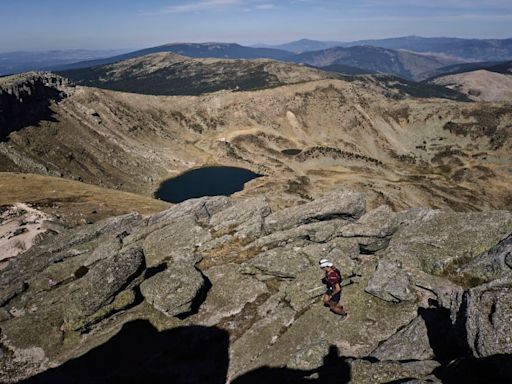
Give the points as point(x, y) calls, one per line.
point(62, 24)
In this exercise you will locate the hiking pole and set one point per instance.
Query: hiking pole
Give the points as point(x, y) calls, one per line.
point(349, 282)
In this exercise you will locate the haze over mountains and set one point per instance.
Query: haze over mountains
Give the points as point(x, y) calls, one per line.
point(413, 58)
point(20, 61)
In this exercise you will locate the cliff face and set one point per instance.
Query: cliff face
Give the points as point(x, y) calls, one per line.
point(25, 99)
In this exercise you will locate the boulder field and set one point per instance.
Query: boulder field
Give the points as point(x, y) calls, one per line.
point(218, 290)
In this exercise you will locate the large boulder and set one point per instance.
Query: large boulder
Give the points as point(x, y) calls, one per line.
point(285, 263)
point(229, 294)
point(240, 214)
point(99, 287)
point(488, 317)
point(410, 343)
point(346, 205)
point(180, 236)
point(494, 264)
point(391, 282)
point(173, 291)
point(436, 239)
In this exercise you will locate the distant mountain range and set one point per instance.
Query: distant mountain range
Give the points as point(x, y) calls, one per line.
point(356, 60)
point(412, 58)
point(468, 49)
point(20, 61)
point(408, 65)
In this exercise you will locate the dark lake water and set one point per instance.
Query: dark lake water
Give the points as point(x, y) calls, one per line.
point(208, 181)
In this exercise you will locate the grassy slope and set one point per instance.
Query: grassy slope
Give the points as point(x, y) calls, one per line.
point(74, 201)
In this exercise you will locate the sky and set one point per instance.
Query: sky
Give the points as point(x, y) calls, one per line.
point(132, 24)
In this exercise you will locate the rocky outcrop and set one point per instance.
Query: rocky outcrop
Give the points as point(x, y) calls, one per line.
point(487, 313)
point(219, 266)
point(25, 99)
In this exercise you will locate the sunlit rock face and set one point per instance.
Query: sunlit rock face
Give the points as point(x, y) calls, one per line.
point(236, 282)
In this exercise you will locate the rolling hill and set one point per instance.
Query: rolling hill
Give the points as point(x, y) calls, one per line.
point(199, 50)
point(173, 74)
point(480, 85)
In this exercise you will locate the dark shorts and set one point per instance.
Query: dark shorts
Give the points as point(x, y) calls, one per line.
point(336, 298)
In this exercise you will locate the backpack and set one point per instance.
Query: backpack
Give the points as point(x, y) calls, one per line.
point(334, 277)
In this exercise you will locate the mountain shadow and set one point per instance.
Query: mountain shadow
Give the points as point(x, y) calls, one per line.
point(334, 370)
point(184, 355)
point(458, 365)
point(141, 354)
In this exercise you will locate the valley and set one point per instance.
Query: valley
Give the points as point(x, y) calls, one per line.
point(361, 133)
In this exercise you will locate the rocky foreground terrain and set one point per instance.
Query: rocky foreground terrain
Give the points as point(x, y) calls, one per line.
point(218, 289)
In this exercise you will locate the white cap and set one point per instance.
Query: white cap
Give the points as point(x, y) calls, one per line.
point(324, 263)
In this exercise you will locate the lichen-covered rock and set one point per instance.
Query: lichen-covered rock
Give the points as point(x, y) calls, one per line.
point(364, 372)
point(391, 283)
point(439, 239)
point(309, 357)
point(201, 209)
point(488, 318)
point(99, 287)
point(173, 291)
point(410, 343)
point(240, 213)
point(345, 205)
point(259, 338)
point(493, 264)
point(230, 292)
point(307, 287)
point(379, 223)
point(317, 232)
point(183, 234)
point(279, 262)
point(67, 245)
point(447, 294)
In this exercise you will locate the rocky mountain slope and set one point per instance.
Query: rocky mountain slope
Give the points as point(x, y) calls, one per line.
point(481, 85)
point(408, 65)
point(469, 49)
point(366, 133)
point(25, 99)
point(216, 289)
point(197, 50)
point(172, 74)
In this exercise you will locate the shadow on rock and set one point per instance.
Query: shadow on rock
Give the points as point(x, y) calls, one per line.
point(334, 370)
point(495, 369)
point(141, 354)
point(449, 344)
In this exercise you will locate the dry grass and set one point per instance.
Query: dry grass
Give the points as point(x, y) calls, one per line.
point(75, 202)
